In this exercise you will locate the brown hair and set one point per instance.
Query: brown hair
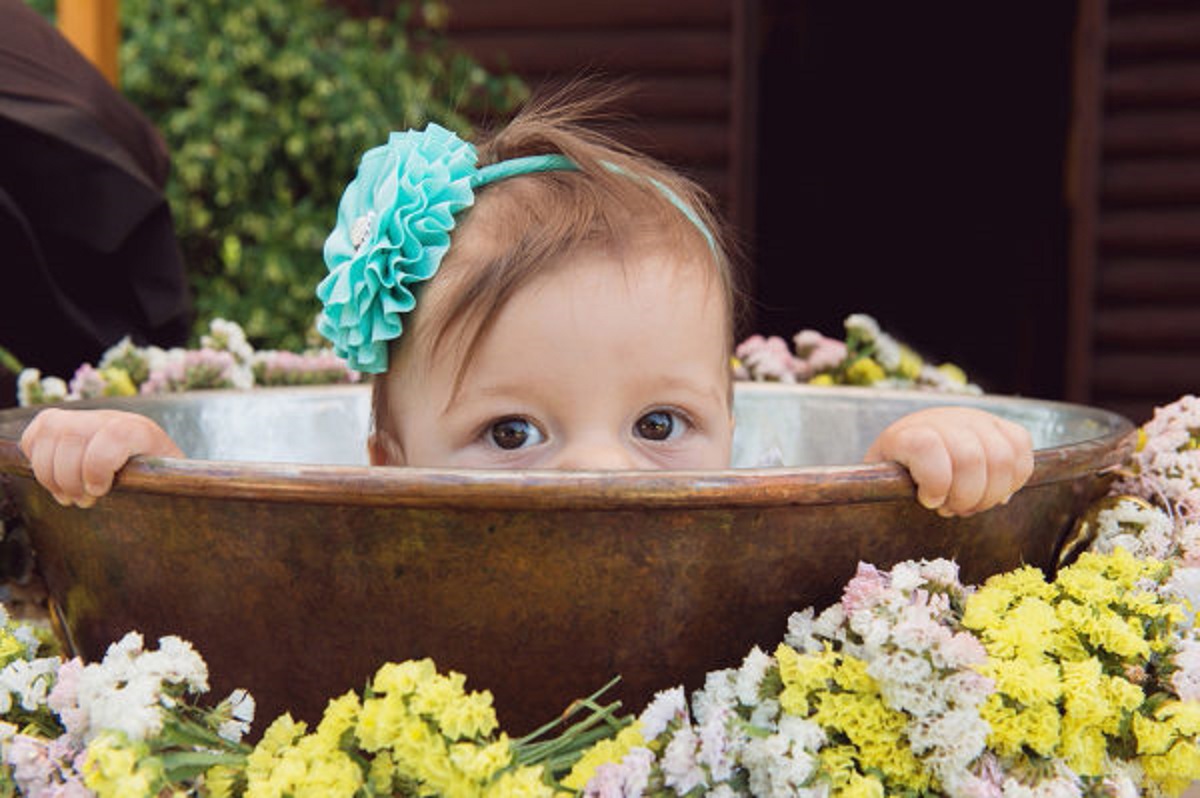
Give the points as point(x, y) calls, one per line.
point(618, 202)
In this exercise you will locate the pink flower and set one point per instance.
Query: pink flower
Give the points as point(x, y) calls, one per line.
point(818, 352)
point(64, 699)
point(865, 589)
point(769, 359)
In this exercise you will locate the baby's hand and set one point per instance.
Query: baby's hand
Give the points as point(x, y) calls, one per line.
point(76, 453)
point(963, 460)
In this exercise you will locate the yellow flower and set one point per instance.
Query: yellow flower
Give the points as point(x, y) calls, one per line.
point(481, 762)
point(863, 787)
point(402, 679)
point(432, 695)
point(219, 781)
point(381, 774)
point(1153, 737)
point(955, 373)
point(1027, 630)
point(1028, 682)
point(1083, 748)
point(468, 716)
point(865, 371)
point(1175, 769)
point(116, 768)
point(340, 716)
point(117, 382)
point(526, 782)
point(822, 379)
point(910, 364)
point(380, 721)
point(610, 750)
point(1037, 727)
point(802, 674)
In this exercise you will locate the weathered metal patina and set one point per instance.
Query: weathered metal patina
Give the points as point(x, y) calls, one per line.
point(298, 579)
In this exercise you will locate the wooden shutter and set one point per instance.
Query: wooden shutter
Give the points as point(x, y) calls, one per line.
point(1135, 318)
point(685, 59)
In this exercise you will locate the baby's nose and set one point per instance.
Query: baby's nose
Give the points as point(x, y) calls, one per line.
point(594, 455)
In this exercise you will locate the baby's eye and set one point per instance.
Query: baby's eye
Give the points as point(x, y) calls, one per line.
point(515, 433)
point(658, 425)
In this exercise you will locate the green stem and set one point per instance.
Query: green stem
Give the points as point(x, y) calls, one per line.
point(10, 362)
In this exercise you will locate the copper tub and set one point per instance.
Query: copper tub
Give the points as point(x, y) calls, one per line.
point(298, 578)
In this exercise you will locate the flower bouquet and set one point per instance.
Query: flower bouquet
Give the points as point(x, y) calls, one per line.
point(225, 359)
point(868, 357)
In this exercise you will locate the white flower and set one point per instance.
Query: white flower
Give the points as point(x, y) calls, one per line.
point(29, 387)
point(887, 352)
point(680, 769)
point(667, 705)
point(718, 694)
point(54, 389)
point(717, 750)
point(907, 576)
point(28, 682)
point(241, 711)
point(764, 715)
point(125, 692)
point(801, 632)
point(750, 676)
point(862, 325)
point(1142, 531)
point(228, 336)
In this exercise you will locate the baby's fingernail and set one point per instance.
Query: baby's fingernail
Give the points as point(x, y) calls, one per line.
point(931, 503)
point(945, 512)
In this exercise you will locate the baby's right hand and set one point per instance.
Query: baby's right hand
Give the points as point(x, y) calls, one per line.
point(76, 453)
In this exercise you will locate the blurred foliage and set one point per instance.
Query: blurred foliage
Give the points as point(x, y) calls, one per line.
point(266, 106)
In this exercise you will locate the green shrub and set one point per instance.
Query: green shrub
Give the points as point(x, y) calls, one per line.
point(266, 106)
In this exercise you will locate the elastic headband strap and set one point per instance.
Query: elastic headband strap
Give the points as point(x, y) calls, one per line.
point(531, 164)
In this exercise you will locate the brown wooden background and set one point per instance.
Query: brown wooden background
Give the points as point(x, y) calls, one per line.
point(1012, 186)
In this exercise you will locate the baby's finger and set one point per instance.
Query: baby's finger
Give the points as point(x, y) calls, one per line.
point(68, 467)
point(970, 474)
point(110, 448)
point(1022, 443)
point(923, 452)
point(41, 457)
point(1001, 461)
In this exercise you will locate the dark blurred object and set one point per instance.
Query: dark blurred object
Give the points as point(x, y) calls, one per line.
point(86, 237)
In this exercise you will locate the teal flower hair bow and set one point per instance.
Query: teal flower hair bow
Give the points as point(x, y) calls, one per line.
point(393, 229)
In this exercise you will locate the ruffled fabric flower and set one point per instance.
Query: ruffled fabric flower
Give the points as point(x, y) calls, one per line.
point(393, 230)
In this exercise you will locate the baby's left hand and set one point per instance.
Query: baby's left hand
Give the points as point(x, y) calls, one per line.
point(964, 461)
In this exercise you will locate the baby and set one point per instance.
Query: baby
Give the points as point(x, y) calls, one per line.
point(581, 319)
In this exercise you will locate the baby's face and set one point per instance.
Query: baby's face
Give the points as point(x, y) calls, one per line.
point(592, 367)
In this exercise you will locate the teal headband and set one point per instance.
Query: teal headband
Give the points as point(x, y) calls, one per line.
point(393, 229)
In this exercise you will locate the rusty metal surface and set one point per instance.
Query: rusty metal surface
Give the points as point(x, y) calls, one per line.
point(298, 580)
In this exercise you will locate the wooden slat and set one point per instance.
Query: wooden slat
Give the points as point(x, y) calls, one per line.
point(1153, 132)
point(1158, 33)
point(1175, 181)
point(678, 51)
point(697, 143)
point(672, 96)
point(1082, 192)
point(1138, 411)
point(1165, 376)
point(1150, 231)
point(1150, 327)
point(554, 15)
point(1141, 280)
point(1134, 85)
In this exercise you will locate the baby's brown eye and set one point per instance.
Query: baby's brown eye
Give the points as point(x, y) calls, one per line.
point(514, 433)
point(656, 425)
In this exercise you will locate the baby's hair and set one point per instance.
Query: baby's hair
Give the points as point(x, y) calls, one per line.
point(619, 202)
